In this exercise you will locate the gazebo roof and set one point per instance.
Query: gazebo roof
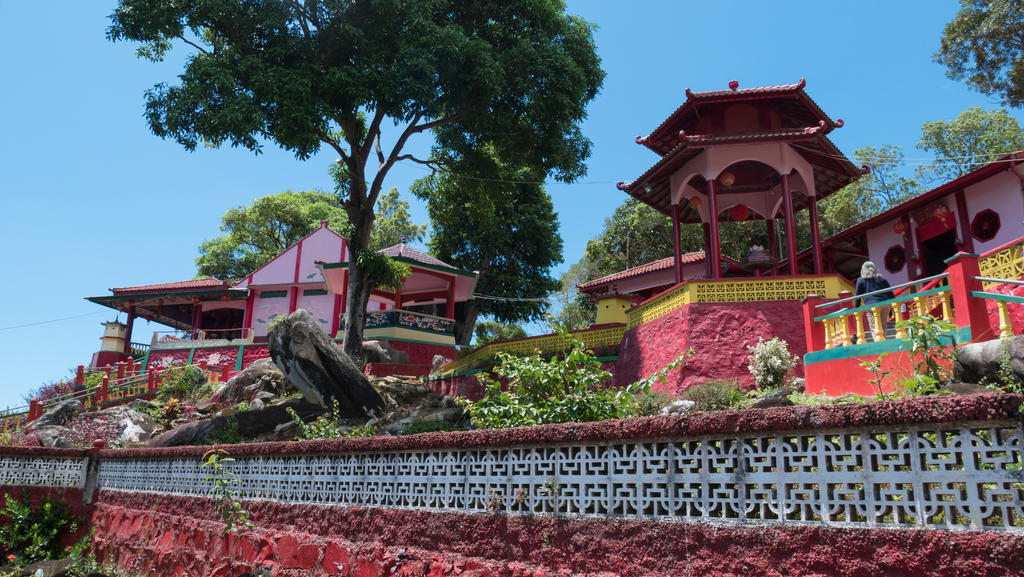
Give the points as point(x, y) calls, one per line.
point(658, 265)
point(185, 286)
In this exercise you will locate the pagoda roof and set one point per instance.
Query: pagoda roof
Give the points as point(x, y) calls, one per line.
point(797, 108)
point(832, 170)
point(205, 284)
point(403, 251)
point(662, 264)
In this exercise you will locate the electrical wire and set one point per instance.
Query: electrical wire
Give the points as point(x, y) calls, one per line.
point(50, 321)
point(511, 299)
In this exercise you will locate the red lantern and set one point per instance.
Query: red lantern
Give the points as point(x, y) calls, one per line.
point(900, 227)
point(695, 203)
point(740, 212)
point(727, 179)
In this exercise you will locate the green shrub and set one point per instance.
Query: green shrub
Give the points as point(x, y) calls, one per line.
point(770, 363)
point(715, 395)
point(649, 403)
point(186, 382)
point(932, 352)
point(324, 427)
point(32, 534)
point(570, 387)
point(423, 426)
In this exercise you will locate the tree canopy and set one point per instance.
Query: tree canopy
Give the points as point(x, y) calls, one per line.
point(984, 46)
point(972, 139)
point(517, 74)
point(256, 233)
point(494, 218)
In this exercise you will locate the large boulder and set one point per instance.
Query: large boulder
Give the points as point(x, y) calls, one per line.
point(262, 375)
point(57, 416)
point(244, 424)
point(319, 368)
point(992, 361)
point(383, 352)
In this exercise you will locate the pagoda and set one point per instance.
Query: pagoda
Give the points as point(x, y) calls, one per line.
point(741, 154)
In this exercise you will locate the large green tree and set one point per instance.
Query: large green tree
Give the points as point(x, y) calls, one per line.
point(972, 139)
point(496, 219)
point(256, 233)
point(306, 74)
point(984, 46)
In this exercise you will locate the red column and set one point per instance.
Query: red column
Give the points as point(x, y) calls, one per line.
point(677, 243)
point(120, 371)
point(247, 320)
point(80, 376)
point(33, 409)
point(293, 299)
point(812, 208)
point(449, 304)
point(967, 310)
point(128, 329)
point(716, 257)
point(787, 196)
point(965, 224)
point(908, 249)
point(104, 388)
point(150, 380)
point(773, 248)
point(813, 332)
point(707, 249)
point(225, 372)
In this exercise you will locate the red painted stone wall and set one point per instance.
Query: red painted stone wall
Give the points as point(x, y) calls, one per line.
point(423, 353)
point(1016, 310)
point(146, 534)
point(180, 356)
point(253, 353)
point(718, 333)
point(226, 355)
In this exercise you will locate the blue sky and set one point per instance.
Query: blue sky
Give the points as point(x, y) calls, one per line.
point(92, 200)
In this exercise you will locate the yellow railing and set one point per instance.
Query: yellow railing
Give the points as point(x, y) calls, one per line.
point(550, 343)
point(736, 290)
point(1005, 262)
point(843, 325)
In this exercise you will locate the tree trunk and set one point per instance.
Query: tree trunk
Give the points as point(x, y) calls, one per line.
point(359, 284)
point(465, 322)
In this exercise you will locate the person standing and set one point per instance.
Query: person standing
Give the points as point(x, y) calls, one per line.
point(871, 281)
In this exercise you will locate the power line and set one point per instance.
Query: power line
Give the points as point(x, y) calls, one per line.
point(511, 299)
point(50, 321)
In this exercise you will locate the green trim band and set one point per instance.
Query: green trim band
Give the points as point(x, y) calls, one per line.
point(272, 294)
point(314, 292)
point(401, 340)
point(997, 297)
point(961, 335)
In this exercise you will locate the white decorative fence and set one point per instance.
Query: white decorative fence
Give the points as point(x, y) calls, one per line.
point(942, 476)
point(951, 476)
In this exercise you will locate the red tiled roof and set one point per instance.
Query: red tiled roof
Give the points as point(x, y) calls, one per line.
point(739, 92)
point(657, 265)
point(403, 250)
point(206, 283)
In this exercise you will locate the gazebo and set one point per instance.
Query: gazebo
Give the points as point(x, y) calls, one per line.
point(743, 154)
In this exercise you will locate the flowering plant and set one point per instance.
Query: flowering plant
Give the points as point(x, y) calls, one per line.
point(770, 362)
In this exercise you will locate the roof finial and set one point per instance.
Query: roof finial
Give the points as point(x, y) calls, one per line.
point(403, 239)
point(640, 139)
point(734, 84)
point(802, 83)
point(688, 93)
point(839, 123)
point(620, 185)
point(682, 135)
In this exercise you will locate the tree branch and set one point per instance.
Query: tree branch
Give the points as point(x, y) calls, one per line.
point(337, 148)
point(193, 44)
point(431, 163)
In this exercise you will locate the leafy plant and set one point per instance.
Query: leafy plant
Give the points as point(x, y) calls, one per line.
point(34, 533)
point(570, 387)
point(324, 427)
point(715, 395)
point(83, 562)
point(423, 426)
point(770, 362)
point(649, 403)
point(182, 382)
point(360, 432)
point(225, 498)
point(932, 353)
point(877, 374)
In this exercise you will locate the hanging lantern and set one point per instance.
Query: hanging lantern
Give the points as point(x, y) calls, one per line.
point(941, 212)
point(740, 212)
point(900, 227)
point(727, 179)
point(695, 202)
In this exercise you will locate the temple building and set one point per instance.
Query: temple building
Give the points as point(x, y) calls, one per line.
point(208, 316)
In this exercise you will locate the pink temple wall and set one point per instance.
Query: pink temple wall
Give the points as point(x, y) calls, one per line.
point(1002, 194)
point(880, 239)
point(265, 309)
point(321, 307)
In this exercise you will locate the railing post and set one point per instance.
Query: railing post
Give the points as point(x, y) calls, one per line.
point(225, 371)
point(120, 371)
point(80, 376)
point(104, 389)
point(967, 310)
point(202, 365)
point(33, 409)
point(845, 320)
point(813, 332)
point(150, 380)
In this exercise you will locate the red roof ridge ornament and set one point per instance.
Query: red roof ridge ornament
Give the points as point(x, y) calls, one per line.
point(688, 93)
point(839, 123)
point(865, 169)
point(682, 136)
point(640, 139)
point(734, 84)
point(620, 185)
point(802, 83)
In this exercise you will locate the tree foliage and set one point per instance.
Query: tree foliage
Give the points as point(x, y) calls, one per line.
point(984, 46)
point(256, 233)
point(393, 223)
point(305, 74)
point(494, 218)
point(488, 331)
point(972, 139)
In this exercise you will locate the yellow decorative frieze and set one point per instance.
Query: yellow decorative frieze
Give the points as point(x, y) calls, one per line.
point(1007, 263)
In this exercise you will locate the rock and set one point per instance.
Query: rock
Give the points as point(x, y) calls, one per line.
point(448, 402)
point(438, 362)
point(779, 397)
point(138, 427)
point(264, 396)
point(262, 375)
point(383, 352)
point(977, 362)
point(283, 432)
point(53, 436)
point(204, 407)
point(256, 405)
point(966, 389)
point(319, 368)
point(248, 424)
point(680, 407)
point(59, 415)
point(51, 568)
